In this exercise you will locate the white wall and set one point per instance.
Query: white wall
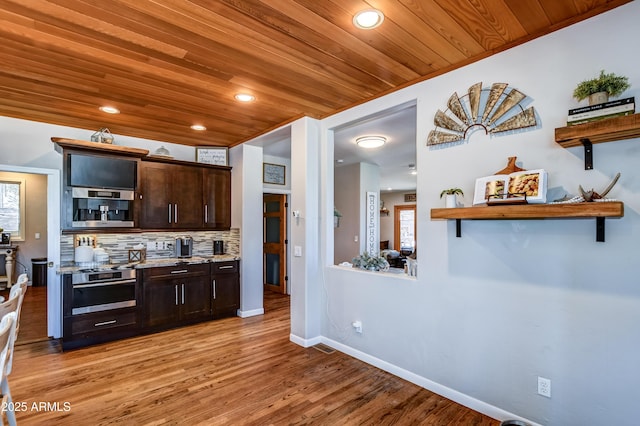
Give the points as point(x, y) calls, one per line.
point(246, 214)
point(512, 300)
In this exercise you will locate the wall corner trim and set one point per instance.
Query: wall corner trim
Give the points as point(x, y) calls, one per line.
point(251, 313)
point(305, 343)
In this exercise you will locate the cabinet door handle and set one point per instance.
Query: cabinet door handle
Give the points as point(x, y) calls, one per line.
point(206, 213)
point(98, 324)
point(213, 286)
point(175, 216)
point(169, 213)
point(225, 267)
point(180, 271)
point(176, 288)
point(183, 294)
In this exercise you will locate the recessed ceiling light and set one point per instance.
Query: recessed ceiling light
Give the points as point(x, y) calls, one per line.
point(371, 141)
point(245, 97)
point(109, 109)
point(198, 127)
point(368, 19)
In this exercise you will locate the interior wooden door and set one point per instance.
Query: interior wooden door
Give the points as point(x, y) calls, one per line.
point(274, 242)
point(405, 238)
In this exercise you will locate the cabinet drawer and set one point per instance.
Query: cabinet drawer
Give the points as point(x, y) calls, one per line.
point(229, 267)
point(96, 322)
point(175, 271)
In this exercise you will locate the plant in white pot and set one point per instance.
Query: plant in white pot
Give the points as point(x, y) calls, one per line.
point(600, 88)
point(451, 194)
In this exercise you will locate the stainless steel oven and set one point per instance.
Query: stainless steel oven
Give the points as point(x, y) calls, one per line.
point(97, 291)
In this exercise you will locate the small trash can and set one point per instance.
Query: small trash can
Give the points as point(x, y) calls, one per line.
point(39, 271)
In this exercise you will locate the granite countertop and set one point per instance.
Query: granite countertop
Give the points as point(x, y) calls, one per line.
point(72, 267)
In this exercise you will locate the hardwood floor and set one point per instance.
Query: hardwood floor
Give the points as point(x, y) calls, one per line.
point(228, 372)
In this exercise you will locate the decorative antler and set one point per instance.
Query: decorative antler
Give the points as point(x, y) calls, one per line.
point(611, 185)
point(593, 195)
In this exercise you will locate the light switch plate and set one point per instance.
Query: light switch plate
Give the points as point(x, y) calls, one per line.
point(297, 251)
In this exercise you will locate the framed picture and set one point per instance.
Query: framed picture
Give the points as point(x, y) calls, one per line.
point(217, 155)
point(273, 173)
point(410, 198)
point(528, 186)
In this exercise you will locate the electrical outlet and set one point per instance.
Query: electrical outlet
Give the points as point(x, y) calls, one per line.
point(544, 387)
point(357, 325)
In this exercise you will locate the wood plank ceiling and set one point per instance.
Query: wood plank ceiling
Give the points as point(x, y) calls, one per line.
point(168, 64)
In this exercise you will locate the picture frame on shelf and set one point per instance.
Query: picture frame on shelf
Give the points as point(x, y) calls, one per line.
point(273, 173)
point(216, 155)
point(524, 186)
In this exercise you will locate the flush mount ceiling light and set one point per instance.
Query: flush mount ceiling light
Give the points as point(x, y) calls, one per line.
point(198, 127)
point(371, 141)
point(244, 97)
point(109, 109)
point(368, 19)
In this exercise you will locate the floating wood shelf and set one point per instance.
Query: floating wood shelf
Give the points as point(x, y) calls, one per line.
point(99, 147)
point(597, 210)
point(608, 130)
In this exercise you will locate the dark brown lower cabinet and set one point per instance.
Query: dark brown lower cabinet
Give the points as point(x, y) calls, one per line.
point(166, 297)
point(225, 289)
point(174, 295)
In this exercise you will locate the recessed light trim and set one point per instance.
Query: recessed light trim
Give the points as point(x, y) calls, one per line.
point(245, 97)
point(368, 19)
point(370, 142)
point(109, 109)
point(198, 127)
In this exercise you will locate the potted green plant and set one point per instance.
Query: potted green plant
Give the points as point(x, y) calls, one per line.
point(600, 88)
point(336, 217)
point(451, 199)
point(370, 263)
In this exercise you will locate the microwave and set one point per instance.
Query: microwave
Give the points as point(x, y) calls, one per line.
point(101, 172)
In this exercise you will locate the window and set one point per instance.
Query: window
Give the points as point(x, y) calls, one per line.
point(12, 207)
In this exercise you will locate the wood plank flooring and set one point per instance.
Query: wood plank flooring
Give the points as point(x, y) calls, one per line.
point(228, 372)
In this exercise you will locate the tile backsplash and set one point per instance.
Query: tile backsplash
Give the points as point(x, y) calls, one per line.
point(118, 245)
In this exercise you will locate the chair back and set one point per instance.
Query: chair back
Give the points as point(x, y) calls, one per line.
point(19, 289)
point(7, 334)
point(22, 278)
point(11, 306)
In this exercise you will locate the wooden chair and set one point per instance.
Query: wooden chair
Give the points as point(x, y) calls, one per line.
point(7, 336)
point(13, 307)
point(19, 289)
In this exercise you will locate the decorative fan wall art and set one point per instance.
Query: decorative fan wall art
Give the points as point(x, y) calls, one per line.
point(492, 109)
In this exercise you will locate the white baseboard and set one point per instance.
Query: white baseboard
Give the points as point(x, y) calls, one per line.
point(459, 397)
point(305, 343)
point(251, 313)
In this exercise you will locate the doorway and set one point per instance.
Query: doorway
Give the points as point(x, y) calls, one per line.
point(47, 298)
point(274, 211)
point(404, 232)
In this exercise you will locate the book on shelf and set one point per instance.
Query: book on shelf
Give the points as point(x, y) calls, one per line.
point(528, 186)
point(604, 105)
point(599, 118)
point(625, 108)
